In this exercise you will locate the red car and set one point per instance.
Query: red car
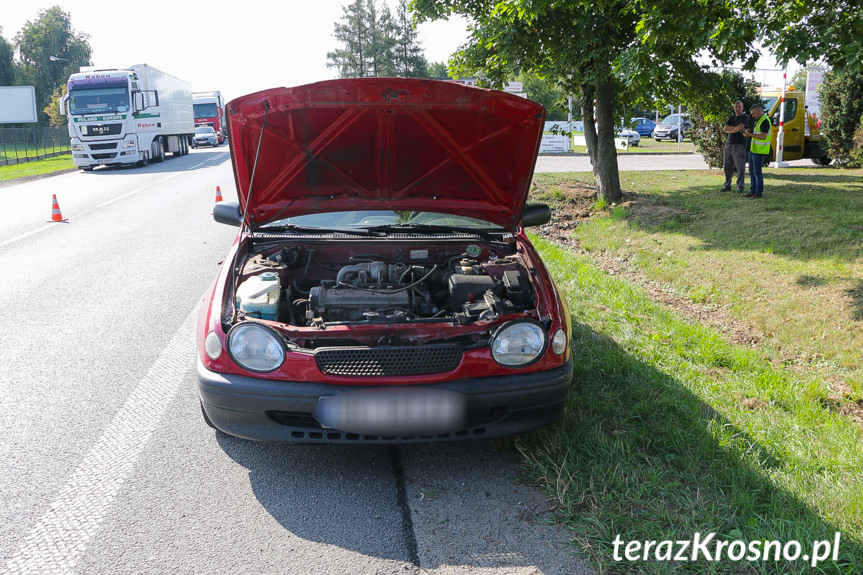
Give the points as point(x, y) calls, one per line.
point(381, 288)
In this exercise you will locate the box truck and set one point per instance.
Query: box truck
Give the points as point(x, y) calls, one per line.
point(127, 116)
point(210, 111)
point(801, 133)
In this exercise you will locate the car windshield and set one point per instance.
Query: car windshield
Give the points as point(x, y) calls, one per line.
point(673, 119)
point(371, 219)
point(204, 131)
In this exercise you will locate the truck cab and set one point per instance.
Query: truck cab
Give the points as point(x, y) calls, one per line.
point(802, 136)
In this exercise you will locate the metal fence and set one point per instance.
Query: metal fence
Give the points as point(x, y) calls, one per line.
point(18, 145)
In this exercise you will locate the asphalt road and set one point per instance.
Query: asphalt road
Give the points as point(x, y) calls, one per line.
point(107, 464)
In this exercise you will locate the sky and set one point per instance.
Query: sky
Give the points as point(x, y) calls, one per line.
point(234, 48)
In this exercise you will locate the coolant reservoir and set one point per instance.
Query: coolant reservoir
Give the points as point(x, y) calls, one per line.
point(259, 296)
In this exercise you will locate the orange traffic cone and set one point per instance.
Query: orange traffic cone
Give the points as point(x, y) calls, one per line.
point(56, 216)
point(218, 194)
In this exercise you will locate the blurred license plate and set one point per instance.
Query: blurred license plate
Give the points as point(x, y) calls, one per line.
point(400, 411)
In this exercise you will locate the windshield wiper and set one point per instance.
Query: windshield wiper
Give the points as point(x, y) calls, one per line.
point(315, 230)
point(434, 228)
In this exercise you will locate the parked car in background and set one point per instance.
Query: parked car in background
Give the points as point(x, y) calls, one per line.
point(644, 126)
point(206, 136)
point(382, 288)
point(632, 137)
point(667, 128)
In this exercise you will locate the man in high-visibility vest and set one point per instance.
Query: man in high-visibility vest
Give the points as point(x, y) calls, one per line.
point(759, 149)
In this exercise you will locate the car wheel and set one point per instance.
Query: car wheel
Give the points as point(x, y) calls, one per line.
point(822, 161)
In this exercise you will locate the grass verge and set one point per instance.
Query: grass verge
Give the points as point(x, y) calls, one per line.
point(35, 168)
point(670, 431)
point(674, 427)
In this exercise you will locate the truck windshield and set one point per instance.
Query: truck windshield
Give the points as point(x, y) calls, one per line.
point(205, 111)
point(768, 103)
point(98, 100)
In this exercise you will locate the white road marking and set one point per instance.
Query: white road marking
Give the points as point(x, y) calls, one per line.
point(111, 201)
point(56, 543)
point(28, 234)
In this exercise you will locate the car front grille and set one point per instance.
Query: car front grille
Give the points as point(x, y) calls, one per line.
point(388, 361)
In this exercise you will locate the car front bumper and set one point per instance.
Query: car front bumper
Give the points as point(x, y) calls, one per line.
point(272, 410)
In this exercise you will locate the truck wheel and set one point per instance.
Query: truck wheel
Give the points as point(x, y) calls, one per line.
point(142, 163)
point(159, 152)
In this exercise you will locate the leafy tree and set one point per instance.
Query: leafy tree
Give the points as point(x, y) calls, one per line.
point(826, 30)
point(382, 35)
point(438, 70)
point(52, 110)
point(7, 61)
point(708, 119)
point(842, 116)
point(409, 60)
point(353, 33)
point(798, 80)
point(602, 51)
point(51, 34)
point(374, 43)
point(548, 93)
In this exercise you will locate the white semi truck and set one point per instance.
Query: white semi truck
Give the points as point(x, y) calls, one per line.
point(127, 116)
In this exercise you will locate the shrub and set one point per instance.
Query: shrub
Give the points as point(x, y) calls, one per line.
point(842, 117)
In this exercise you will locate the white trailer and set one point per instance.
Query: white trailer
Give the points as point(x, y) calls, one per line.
point(127, 116)
point(210, 111)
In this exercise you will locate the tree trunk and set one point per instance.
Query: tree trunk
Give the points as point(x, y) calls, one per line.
point(599, 136)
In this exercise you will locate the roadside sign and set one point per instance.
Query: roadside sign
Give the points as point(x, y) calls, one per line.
point(17, 104)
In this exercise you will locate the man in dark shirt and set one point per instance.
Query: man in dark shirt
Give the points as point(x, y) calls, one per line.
point(735, 147)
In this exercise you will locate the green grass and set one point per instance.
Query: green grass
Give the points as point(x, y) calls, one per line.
point(27, 151)
point(789, 265)
point(36, 168)
point(671, 428)
point(672, 431)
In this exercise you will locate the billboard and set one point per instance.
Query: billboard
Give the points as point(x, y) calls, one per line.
point(17, 104)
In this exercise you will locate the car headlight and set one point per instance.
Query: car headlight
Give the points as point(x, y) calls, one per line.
point(518, 343)
point(256, 347)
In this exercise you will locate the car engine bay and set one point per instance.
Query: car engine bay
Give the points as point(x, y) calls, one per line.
point(326, 284)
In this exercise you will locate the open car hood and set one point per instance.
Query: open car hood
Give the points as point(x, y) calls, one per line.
point(384, 144)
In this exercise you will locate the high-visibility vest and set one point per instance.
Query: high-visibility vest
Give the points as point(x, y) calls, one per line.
point(761, 146)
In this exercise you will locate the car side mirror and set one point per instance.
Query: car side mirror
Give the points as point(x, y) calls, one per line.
point(535, 215)
point(228, 213)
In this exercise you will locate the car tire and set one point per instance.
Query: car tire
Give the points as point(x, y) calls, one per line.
point(822, 161)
